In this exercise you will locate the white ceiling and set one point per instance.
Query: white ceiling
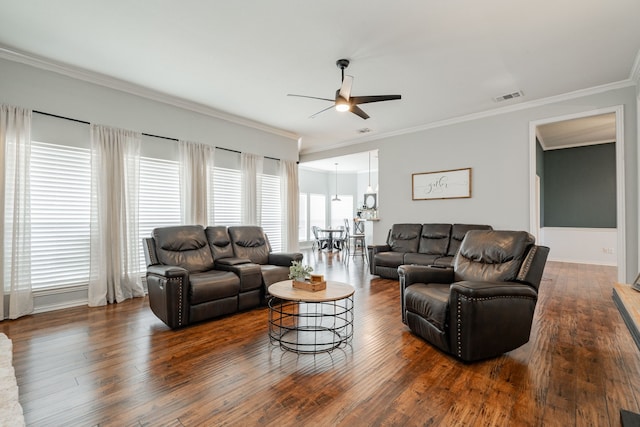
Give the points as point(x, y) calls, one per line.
point(353, 163)
point(446, 58)
point(577, 132)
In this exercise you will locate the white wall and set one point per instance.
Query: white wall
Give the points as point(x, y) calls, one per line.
point(53, 93)
point(497, 149)
point(581, 245)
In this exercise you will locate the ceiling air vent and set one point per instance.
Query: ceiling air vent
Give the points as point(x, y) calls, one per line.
point(508, 96)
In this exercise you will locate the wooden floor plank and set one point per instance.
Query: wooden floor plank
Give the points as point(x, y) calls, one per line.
point(120, 366)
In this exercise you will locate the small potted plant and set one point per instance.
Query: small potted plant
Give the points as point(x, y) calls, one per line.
point(299, 272)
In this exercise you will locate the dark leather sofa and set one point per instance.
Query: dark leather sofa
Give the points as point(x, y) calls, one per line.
point(195, 274)
point(481, 307)
point(422, 244)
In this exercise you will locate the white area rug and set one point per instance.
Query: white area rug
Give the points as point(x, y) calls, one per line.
point(10, 409)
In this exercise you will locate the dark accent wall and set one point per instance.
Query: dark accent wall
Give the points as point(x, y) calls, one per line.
point(580, 187)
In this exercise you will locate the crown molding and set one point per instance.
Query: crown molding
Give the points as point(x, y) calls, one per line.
point(480, 115)
point(634, 75)
point(123, 86)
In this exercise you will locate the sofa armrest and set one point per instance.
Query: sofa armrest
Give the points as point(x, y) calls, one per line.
point(284, 259)
point(489, 318)
point(410, 274)
point(168, 287)
point(477, 290)
point(167, 270)
point(378, 248)
point(371, 251)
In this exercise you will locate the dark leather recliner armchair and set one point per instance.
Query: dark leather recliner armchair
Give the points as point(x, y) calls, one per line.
point(484, 305)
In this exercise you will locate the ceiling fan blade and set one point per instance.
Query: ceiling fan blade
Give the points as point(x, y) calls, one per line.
point(358, 111)
point(356, 100)
point(312, 97)
point(345, 89)
point(321, 111)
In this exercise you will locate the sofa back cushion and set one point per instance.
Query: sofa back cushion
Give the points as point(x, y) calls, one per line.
point(458, 231)
point(404, 237)
point(219, 242)
point(492, 256)
point(434, 239)
point(250, 242)
point(185, 246)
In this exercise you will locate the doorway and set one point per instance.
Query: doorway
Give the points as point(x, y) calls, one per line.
point(536, 200)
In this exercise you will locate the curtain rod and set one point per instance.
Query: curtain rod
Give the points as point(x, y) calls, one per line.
point(145, 134)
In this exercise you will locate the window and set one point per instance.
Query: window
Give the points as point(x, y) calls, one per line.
point(340, 210)
point(227, 200)
point(303, 230)
point(159, 197)
point(317, 210)
point(271, 216)
point(60, 215)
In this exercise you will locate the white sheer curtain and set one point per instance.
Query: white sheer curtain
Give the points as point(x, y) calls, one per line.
point(115, 239)
point(251, 168)
point(289, 196)
point(15, 260)
point(196, 171)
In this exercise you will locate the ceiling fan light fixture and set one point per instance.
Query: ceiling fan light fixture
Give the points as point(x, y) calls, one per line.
point(342, 105)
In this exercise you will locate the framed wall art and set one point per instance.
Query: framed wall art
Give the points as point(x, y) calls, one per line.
point(449, 184)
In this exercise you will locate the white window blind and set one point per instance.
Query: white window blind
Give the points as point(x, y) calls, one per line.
point(227, 202)
point(159, 197)
point(317, 210)
point(60, 215)
point(271, 215)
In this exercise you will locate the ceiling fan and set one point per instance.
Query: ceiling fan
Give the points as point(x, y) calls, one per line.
point(344, 101)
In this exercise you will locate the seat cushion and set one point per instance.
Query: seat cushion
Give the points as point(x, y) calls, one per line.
point(420, 259)
point(404, 237)
point(434, 239)
point(250, 242)
point(185, 246)
point(219, 242)
point(458, 231)
point(429, 301)
point(492, 255)
point(389, 259)
point(212, 285)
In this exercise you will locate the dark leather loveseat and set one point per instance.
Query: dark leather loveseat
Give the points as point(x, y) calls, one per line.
point(194, 274)
point(421, 244)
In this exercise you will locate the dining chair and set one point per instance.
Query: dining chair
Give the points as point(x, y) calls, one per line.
point(357, 241)
point(318, 240)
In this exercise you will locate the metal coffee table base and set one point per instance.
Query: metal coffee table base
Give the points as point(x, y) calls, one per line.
point(311, 327)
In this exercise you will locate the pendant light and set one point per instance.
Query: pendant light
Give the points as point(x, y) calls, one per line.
point(336, 199)
point(369, 189)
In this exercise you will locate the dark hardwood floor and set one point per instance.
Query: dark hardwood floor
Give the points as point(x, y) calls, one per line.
point(121, 366)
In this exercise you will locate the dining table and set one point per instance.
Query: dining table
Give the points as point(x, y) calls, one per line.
point(331, 240)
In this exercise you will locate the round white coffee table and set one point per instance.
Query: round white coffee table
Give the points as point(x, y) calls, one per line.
point(311, 322)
